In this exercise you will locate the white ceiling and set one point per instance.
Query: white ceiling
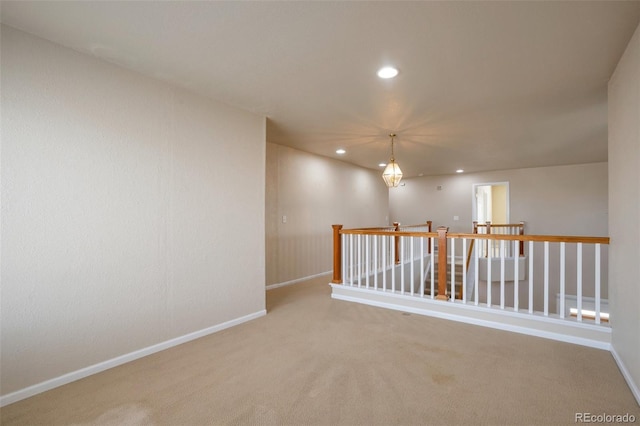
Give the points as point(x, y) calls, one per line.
point(482, 85)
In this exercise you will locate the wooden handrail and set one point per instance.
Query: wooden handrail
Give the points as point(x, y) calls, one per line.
point(537, 238)
point(375, 228)
point(427, 224)
point(499, 225)
point(387, 233)
point(392, 227)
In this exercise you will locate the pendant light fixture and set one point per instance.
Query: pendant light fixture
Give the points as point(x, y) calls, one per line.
point(392, 173)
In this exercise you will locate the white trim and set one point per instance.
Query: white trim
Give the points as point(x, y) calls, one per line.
point(635, 390)
point(509, 312)
point(297, 280)
point(122, 359)
point(461, 316)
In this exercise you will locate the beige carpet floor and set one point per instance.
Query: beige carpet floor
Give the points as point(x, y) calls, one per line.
point(317, 361)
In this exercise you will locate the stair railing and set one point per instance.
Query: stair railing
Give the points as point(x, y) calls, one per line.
point(371, 263)
point(372, 257)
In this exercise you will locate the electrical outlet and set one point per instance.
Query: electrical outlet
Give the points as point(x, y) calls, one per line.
point(284, 219)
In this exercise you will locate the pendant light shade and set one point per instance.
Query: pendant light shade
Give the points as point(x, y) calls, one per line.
point(392, 173)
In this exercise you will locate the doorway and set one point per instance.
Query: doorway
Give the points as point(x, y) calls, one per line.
point(491, 202)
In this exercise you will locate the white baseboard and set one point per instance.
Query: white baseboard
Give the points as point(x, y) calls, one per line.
point(297, 280)
point(470, 314)
point(627, 376)
point(122, 359)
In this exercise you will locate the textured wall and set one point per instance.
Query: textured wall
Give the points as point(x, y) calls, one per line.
point(624, 204)
point(132, 211)
point(565, 200)
point(314, 192)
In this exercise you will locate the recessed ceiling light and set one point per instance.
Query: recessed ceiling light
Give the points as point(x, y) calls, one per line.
point(340, 151)
point(421, 174)
point(387, 72)
point(459, 171)
point(382, 164)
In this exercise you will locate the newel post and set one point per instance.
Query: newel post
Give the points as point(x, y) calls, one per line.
point(521, 242)
point(442, 263)
point(396, 240)
point(337, 255)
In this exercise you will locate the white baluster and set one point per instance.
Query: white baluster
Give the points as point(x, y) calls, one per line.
point(516, 276)
point(421, 266)
point(367, 265)
point(562, 278)
point(477, 270)
point(530, 277)
point(375, 262)
point(502, 253)
point(351, 265)
point(546, 278)
point(345, 255)
point(359, 260)
point(384, 262)
point(402, 254)
point(464, 270)
point(433, 266)
point(412, 260)
point(579, 281)
point(489, 273)
point(597, 291)
point(392, 262)
point(453, 269)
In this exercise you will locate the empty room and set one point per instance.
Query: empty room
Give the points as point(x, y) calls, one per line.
point(327, 213)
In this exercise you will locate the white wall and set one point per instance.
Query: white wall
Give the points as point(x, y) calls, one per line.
point(314, 192)
point(624, 204)
point(559, 200)
point(132, 211)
